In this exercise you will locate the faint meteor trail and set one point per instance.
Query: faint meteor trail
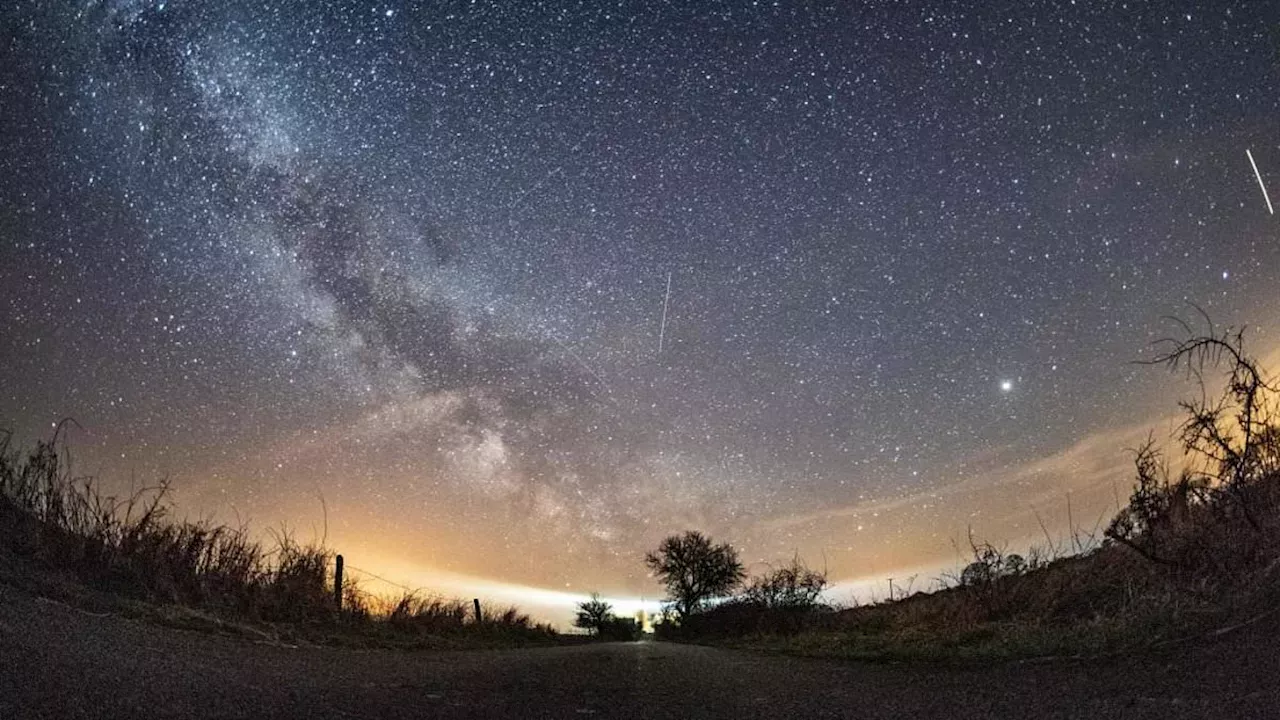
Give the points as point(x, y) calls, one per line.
point(604, 383)
point(520, 196)
point(662, 331)
point(1258, 175)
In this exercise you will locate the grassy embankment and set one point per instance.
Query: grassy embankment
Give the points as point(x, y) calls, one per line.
point(1192, 553)
point(63, 538)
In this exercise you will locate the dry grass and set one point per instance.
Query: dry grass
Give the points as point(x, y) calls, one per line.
point(1215, 566)
point(59, 534)
point(55, 521)
point(1106, 601)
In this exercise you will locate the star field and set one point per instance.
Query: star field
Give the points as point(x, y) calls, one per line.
point(413, 258)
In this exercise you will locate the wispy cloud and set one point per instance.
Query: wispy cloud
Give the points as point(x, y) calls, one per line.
point(1096, 459)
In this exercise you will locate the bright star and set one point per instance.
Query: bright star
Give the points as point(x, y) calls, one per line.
point(1006, 385)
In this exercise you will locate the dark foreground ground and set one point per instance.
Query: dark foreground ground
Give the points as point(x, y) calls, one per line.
point(60, 662)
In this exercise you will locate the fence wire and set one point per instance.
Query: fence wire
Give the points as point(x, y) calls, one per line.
point(347, 566)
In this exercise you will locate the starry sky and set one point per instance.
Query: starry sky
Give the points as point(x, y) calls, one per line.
point(509, 291)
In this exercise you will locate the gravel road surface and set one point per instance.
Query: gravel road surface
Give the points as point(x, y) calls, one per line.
point(60, 662)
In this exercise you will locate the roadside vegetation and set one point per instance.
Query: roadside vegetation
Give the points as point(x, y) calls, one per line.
point(62, 537)
point(1194, 551)
point(597, 618)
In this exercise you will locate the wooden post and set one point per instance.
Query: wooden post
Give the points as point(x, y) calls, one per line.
point(337, 582)
point(479, 617)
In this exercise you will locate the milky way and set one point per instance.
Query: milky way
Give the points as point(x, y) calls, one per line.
point(414, 259)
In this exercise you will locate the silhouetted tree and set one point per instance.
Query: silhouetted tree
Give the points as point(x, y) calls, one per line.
point(695, 570)
point(620, 629)
point(1015, 564)
point(594, 614)
point(1233, 444)
point(792, 586)
point(1157, 506)
point(1236, 434)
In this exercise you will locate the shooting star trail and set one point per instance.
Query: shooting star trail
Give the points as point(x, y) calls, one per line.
point(520, 196)
point(583, 363)
point(1258, 175)
point(662, 331)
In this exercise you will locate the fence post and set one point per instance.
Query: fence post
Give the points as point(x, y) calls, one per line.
point(479, 617)
point(337, 582)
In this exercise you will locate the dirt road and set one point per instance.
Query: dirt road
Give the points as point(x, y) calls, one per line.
point(60, 662)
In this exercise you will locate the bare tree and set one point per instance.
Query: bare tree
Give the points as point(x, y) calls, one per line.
point(1234, 438)
point(1235, 433)
point(695, 570)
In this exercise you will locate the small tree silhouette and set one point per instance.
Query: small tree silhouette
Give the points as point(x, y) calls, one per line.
point(594, 614)
point(695, 570)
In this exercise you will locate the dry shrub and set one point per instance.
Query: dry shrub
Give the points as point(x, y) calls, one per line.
point(1217, 523)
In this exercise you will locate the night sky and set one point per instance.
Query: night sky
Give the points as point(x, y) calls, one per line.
point(414, 259)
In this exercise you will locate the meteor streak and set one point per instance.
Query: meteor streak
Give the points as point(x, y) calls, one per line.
point(1258, 175)
point(662, 331)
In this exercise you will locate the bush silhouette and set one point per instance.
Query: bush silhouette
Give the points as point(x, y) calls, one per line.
point(790, 587)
